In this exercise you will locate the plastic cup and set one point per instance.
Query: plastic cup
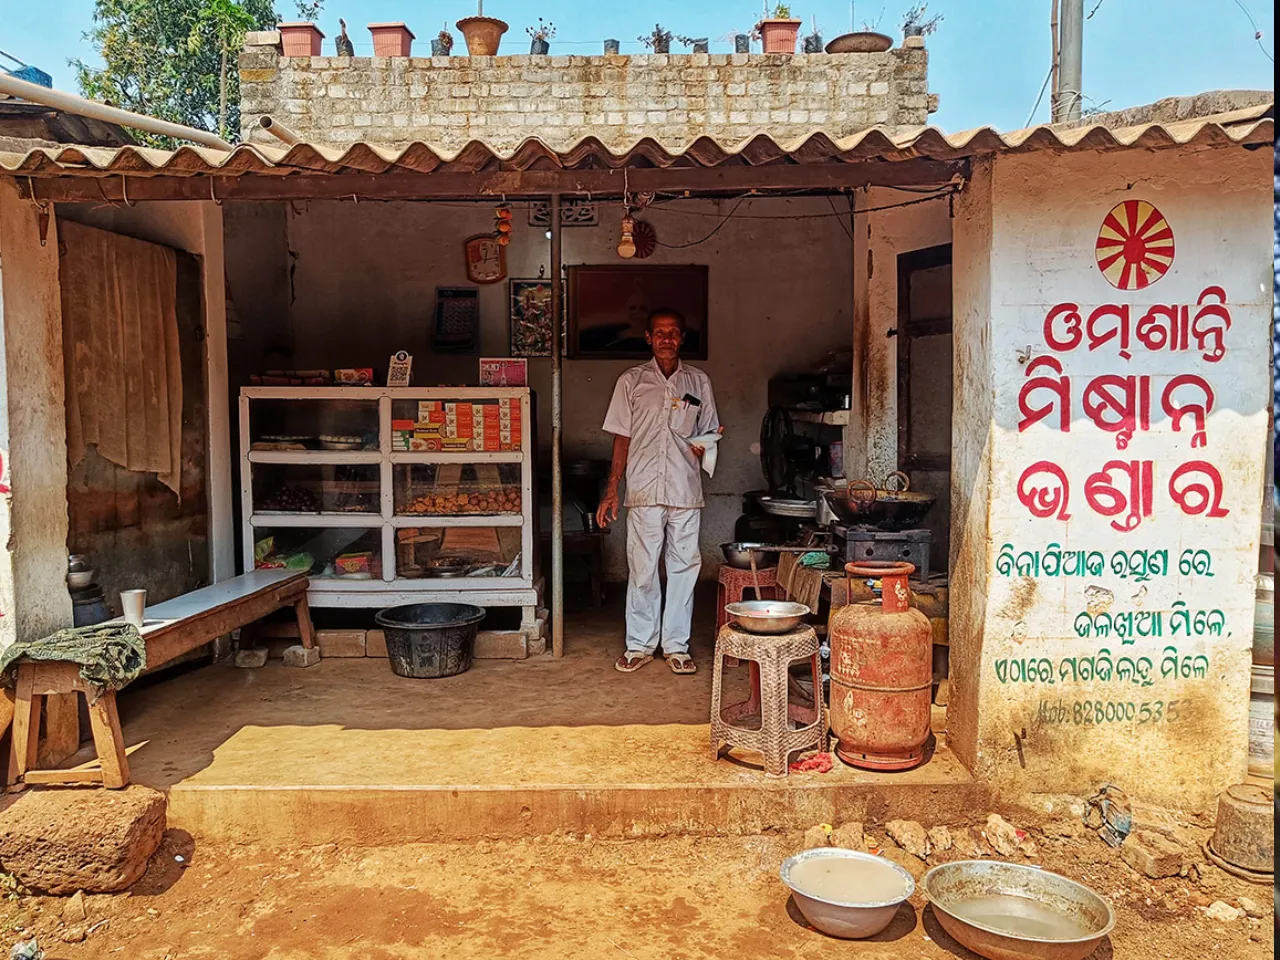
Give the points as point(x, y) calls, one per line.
point(133, 603)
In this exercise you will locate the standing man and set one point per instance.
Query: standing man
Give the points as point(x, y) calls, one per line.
point(657, 408)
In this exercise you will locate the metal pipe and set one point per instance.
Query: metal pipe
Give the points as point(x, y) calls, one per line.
point(1070, 76)
point(81, 107)
point(557, 430)
point(279, 131)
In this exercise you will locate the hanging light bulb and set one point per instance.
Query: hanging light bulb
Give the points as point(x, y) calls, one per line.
point(627, 243)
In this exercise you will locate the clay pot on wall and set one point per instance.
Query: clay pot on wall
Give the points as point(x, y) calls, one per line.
point(483, 34)
point(391, 39)
point(299, 39)
point(864, 41)
point(742, 43)
point(779, 36)
point(439, 48)
point(612, 48)
point(539, 48)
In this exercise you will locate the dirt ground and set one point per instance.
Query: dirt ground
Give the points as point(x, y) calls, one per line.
point(554, 898)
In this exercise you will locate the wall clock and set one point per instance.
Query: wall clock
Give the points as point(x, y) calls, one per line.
point(486, 259)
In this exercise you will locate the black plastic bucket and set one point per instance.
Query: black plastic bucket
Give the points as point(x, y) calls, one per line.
point(430, 640)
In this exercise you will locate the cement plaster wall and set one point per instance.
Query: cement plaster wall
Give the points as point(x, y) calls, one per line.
point(1064, 681)
point(364, 278)
point(33, 478)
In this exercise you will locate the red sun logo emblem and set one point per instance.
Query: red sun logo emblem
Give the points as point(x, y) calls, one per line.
point(1135, 245)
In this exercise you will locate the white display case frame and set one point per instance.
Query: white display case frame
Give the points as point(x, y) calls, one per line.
point(391, 590)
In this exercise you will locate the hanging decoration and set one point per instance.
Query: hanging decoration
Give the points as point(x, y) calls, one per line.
point(502, 224)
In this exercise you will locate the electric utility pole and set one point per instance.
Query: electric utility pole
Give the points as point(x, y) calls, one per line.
point(1067, 101)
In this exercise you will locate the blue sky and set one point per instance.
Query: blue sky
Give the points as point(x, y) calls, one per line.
point(987, 60)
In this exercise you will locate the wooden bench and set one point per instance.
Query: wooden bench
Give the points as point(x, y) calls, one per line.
point(170, 629)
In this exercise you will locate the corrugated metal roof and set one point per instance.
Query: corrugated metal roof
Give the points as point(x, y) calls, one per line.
point(1250, 125)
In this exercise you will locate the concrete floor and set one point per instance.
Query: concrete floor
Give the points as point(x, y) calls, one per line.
point(348, 752)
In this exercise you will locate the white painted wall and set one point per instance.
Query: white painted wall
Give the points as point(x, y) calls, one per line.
point(1044, 728)
point(33, 478)
point(882, 235)
point(365, 274)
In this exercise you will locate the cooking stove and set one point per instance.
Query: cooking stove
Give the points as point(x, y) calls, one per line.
point(865, 542)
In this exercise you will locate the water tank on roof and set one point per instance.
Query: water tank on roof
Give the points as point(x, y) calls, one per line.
point(33, 75)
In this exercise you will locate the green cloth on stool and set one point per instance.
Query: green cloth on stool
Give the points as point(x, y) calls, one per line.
point(110, 655)
point(816, 558)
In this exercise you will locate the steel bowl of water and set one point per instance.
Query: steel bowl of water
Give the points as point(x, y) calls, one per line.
point(844, 893)
point(1006, 911)
point(767, 616)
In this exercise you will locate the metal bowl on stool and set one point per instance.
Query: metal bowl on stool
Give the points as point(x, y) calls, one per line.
point(767, 616)
point(738, 555)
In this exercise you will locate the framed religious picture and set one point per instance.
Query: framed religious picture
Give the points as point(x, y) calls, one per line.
point(609, 308)
point(486, 259)
point(530, 318)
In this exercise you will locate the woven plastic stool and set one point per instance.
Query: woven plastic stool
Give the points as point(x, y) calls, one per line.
point(776, 738)
point(737, 585)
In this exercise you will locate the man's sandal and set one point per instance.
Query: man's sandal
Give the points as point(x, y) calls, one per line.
point(631, 662)
point(681, 663)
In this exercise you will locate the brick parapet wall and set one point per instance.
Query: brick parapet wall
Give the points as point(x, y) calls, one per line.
point(447, 101)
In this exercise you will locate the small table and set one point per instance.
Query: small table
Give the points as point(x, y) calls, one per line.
point(169, 630)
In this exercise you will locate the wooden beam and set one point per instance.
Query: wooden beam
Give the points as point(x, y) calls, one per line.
point(397, 185)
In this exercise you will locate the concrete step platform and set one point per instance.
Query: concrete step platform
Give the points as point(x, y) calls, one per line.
point(346, 752)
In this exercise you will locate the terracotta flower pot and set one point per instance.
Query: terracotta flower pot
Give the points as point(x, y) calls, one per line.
point(483, 34)
point(779, 36)
point(391, 39)
point(300, 39)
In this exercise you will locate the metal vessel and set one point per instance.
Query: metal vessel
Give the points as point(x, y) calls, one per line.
point(881, 672)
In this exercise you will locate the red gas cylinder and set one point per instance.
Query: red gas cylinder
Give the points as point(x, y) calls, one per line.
point(881, 672)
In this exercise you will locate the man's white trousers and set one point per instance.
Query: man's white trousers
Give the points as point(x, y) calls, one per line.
point(672, 534)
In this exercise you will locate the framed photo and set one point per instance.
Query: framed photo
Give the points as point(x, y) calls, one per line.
point(609, 308)
point(530, 318)
point(457, 328)
point(486, 259)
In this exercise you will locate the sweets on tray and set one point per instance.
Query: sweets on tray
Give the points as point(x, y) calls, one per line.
point(494, 500)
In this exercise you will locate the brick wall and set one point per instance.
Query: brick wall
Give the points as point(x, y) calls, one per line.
point(447, 101)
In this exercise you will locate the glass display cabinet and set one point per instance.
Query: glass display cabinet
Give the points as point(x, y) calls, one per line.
point(389, 495)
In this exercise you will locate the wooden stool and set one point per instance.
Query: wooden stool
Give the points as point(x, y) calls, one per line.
point(40, 679)
point(735, 585)
point(776, 739)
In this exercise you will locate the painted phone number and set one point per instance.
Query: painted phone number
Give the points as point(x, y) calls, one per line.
point(1087, 713)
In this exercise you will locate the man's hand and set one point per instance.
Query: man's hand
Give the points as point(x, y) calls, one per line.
point(607, 512)
point(700, 451)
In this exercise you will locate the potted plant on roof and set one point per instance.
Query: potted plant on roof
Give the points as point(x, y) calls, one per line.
point(443, 43)
point(699, 44)
point(778, 31)
point(539, 37)
point(916, 24)
point(483, 34)
point(813, 41)
point(659, 41)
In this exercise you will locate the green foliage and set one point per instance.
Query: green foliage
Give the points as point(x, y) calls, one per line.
point(164, 58)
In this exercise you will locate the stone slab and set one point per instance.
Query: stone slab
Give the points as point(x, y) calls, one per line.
point(501, 645)
point(341, 643)
point(375, 643)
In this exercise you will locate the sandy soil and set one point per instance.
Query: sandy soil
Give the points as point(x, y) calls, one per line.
point(565, 897)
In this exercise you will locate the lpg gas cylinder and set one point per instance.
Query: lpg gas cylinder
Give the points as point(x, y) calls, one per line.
point(881, 672)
